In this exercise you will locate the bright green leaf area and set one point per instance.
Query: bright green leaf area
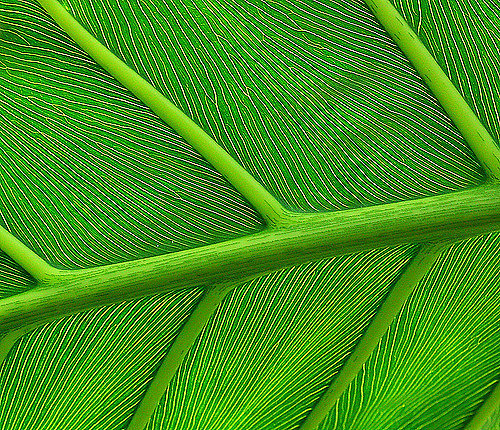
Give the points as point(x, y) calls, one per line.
point(89, 176)
point(318, 103)
point(441, 353)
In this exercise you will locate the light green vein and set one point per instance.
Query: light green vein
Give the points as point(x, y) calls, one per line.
point(272, 211)
point(415, 271)
point(476, 135)
point(175, 356)
point(25, 257)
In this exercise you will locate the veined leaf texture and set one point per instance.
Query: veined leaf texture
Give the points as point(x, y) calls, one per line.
point(319, 104)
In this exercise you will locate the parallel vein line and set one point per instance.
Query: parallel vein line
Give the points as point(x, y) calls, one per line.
point(415, 271)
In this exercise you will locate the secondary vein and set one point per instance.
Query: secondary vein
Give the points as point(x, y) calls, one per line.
point(467, 122)
point(272, 211)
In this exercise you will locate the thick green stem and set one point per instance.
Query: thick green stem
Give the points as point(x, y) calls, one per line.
point(489, 406)
point(478, 138)
point(310, 237)
point(272, 211)
point(415, 271)
point(172, 361)
point(25, 257)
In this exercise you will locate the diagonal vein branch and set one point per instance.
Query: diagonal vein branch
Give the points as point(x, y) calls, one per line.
point(476, 135)
point(272, 211)
point(176, 353)
point(391, 306)
point(25, 257)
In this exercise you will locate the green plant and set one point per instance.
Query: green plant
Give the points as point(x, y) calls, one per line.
point(127, 210)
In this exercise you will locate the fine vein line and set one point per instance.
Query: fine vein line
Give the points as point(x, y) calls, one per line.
point(8, 340)
point(475, 134)
point(272, 211)
point(489, 406)
point(174, 358)
point(395, 300)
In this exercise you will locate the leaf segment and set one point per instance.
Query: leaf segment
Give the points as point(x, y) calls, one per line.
point(290, 239)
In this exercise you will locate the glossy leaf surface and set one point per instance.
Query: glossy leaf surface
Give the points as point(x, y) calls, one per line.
point(318, 103)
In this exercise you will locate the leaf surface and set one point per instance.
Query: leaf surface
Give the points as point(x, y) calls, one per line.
point(318, 103)
point(440, 356)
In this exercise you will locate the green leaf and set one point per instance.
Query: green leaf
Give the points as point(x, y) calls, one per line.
point(92, 177)
point(440, 356)
point(319, 104)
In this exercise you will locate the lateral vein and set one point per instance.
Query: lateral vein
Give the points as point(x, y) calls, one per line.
point(479, 139)
point(386, 313)
point(266, 204)
point(175, 355)
point(25, 257)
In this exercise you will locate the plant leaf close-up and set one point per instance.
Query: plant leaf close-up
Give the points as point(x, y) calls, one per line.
point(249, 215)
